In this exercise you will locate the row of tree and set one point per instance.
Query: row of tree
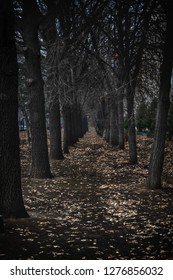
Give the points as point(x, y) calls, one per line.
point(25, 24)
point(138, 36)
point(79, 56)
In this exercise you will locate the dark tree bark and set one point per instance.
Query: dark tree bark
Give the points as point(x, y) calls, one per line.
point(66, 129)
point(50, 37)
point(114, 133)
point(131, 125)
point(106, 134)
point(55, 131)
point(40, 162)
point(77, 123)
point(120, 109)
point(121, 123)
point(157, 153)
point(11, 201)
point(73, 125)
point(70, 126)
point(82, 122)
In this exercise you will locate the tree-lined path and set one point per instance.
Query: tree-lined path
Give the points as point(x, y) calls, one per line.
point(95, 207)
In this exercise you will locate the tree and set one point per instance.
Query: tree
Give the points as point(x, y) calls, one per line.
point(72, 65)
point(157, 153)
point(125, 25)
point(40, 167)
point(170, 122)
point(11, 202)
point(135, 31)
point(51, 40)
point(114, 133)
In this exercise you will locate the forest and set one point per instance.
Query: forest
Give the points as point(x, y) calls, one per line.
point(86, 129)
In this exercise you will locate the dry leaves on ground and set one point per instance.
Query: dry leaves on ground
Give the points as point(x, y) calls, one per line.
point(95, 207)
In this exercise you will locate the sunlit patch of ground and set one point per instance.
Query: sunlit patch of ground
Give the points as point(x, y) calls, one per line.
point(95, 207)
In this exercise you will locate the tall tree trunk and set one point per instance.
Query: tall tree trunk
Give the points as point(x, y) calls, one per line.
point(66, 129)
point(79, 117)
point(131, 125)
point(72, 125)
point(49, 34)
point(106, 133)
point(114, 137)
point(11, 201)
point(76, 122)
point(40, 167)
point(157, 153)
point(121, 117)
point(55, 131)
point(69, 125)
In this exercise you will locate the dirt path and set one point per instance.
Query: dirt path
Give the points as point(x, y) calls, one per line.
point(95, 207)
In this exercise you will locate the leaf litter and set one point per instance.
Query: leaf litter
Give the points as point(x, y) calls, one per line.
point(95, 207)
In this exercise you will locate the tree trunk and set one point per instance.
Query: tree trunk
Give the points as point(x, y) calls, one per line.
point(157, 153)
point(80, 123)
point(55, 131)
point(106, 133)
point(121, 118)
point(11, 201)
point(131, 125)
point(66, 129)
point(72, 125)
point(76, 122)
point(49, 34)
point(40, 167)
point(114, 137)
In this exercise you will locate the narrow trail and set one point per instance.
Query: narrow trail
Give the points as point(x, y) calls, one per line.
point(95, 207)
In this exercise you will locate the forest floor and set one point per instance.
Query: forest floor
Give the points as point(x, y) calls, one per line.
point(95, 207)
